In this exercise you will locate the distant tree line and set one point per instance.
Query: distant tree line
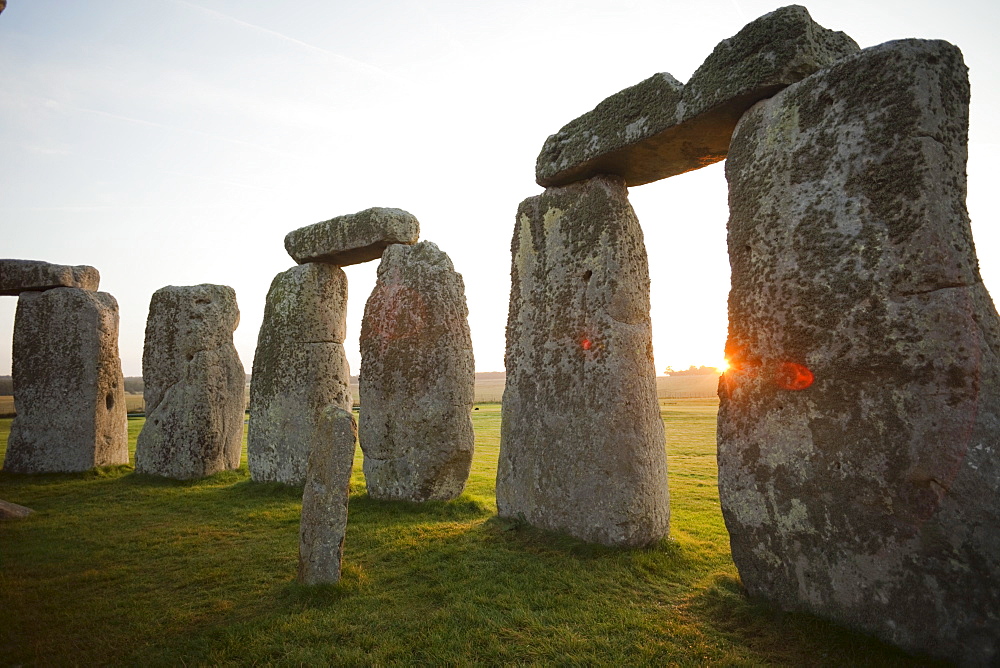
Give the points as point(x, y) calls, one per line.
point(692, 371)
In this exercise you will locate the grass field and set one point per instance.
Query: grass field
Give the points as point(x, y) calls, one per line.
point(117, 568)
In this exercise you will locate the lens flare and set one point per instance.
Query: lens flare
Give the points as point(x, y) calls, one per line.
point(585, 344)
point(793, 376)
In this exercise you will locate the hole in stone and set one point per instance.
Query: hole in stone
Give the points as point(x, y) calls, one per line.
point(586, 276)
point(109, 401)
point(190, 356)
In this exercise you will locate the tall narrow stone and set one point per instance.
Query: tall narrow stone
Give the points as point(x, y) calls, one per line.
point(194, 384)
point(581, 443)
point(325, 496)
point(417, 382)
point(859, 456)
point(299, 369)
point(69, 393)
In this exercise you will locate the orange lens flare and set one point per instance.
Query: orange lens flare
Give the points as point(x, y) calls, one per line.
point(585, 344)
point(793, 376)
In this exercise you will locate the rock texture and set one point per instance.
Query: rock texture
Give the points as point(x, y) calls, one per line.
point(354, 238)
point(17, 276)
point(69, 393)
point(582, 444)
point(12, 511)
point(299, 369)
point(325, 496)
point(659, 128)
point(194, 384)
point(417, 381)
point(859, 464)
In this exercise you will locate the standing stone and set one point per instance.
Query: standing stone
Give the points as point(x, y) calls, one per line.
point(12, 511)
point(354, 238)
point(859, 463)
point(299, 369)
point(418, 376)
point(17, 276)
point(659, 127)
point(581, 442)
point(325, 496)
point(69, 394)
point(194, 384)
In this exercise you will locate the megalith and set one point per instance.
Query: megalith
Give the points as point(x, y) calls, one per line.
point(17, 276)
point(660, 127)
point(859, 425)
point(299, 369)
point(194, 384)
point(325, 496)
point(582, 443)
point(353, 238)
point(417, 381)
point(69, 393)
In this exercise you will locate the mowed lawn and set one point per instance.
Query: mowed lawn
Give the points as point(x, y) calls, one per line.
point(117, 568)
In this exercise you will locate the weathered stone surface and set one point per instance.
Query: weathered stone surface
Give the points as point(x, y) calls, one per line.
point(12, 511)
point(17, 276)
point(859, 470)
point(660, 128)
point(194, 383)
point(325, 496)
point(354, 238)
point(581, 443)
point(417, 383)
point(69, 393)
point(299, 369)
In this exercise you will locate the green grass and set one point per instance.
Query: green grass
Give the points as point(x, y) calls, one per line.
point(117, 568)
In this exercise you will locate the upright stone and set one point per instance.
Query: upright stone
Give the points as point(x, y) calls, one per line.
point(354, 238)
point(417, 381)
point(194, 384)
point(859, 456)
point(69, 393)
point(325, 496)
point(299, 369)
point(581, 441)
point(17, 276)
point(659, 127)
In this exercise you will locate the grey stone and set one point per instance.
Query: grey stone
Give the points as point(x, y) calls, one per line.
point(325, 497)
point(859, 466)
point(354, 238)
point(194, 384)
point(300, 368)
point(12, 511)
point(417, 381)
point(659, 128)
point(582, 443)
point(69, 393)
point(17, 276)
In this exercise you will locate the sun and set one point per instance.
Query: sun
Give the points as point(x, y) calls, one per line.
point(722, 366)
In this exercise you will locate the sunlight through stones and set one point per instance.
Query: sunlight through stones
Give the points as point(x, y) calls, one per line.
point(417, 382)
point(325, 496)
point(300, 368)
point(194, 384)
point(69, 393)
point(578, 333)
point(870, 496)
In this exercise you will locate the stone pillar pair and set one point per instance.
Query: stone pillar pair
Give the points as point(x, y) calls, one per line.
point(69, 393)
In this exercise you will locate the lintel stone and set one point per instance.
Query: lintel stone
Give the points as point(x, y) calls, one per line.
point(660, 128)
point(354, 238)
point(17, 276)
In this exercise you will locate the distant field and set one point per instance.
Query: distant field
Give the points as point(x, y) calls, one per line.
point(133, 404)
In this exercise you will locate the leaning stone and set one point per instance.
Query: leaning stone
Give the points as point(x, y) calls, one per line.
point(582, 444)
point(354, 238)
point(12, 511)
point(659, 128)
point(417, 383)
point(194, 384)
point(859, 463)
point(325, 496)
point(17, 276)
point(300, 368)
point(69, 394)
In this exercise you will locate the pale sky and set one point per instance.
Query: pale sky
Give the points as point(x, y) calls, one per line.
point(169, 142)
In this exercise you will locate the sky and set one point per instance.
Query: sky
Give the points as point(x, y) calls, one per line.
point(176, 142)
